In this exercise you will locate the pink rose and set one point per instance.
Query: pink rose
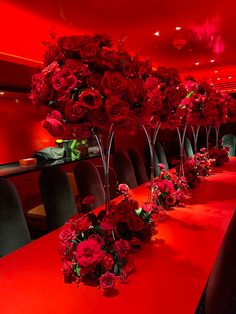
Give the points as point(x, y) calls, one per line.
point(88, 253)
point(114, 84)
point(64, 81)
point(123, 188)
point(107, 281)
point(162, 167)
point(122, 248)
point(117, 109)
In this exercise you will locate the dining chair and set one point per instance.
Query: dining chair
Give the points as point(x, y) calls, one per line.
point(138, 165)
point(230, 140)
point(148, 160)
point(89, 183)
point(124, 169)
point(57, 196)
point(113, 181)
point(14, 232)
point(161, 155)
point(219, 296)
point(188, 147)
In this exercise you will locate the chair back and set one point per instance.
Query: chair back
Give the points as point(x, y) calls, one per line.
point(161, 155)
point(188, 147)
point(57, 196)
point(124, 169)
point(89, 182)
point(14, 232)
point(230, 140)
point(148, 159)
point(138, 165)
point(220, 295)
point(113, 181)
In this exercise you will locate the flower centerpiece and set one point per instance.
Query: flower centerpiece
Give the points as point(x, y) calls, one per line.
point(169, 189)
point(96, 250)
point(220, 154)
point(202, 164)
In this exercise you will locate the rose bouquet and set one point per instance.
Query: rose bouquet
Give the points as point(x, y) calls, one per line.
point(169, 189)
point(220, 154)
point(95, 248)
point(190, 173)
point(202, 164)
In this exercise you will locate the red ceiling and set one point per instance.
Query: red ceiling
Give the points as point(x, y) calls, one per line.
point(208, 29)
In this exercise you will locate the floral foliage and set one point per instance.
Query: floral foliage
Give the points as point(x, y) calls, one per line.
point(96, 247)
point(169, 189)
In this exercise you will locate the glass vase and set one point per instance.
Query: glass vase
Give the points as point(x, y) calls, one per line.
point(217, 131)
point(105, 151)
point(195, 131)
point(151, 138)
point(181, 135)
point(208, 130)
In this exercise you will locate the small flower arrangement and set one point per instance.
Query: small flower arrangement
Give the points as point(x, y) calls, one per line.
point(169, 189)
point(203, 166)
point(95, 248)
point(190, 173)
point(220, 154)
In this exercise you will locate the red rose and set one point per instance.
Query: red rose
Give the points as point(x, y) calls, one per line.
point(41, 88)
point(122, 212)
point(133, 204)
point(134, 90)
point(67, 270)
point(114, 84)
point(100, 118)
point(64, 81)
point(117, 109)
point(108, 261)
point(69, 43)
point(74, 111)
point(94, 81)
point(91, 99)
point(88, 50)
point(107, 281)
point(81, 130)
point(98, 238)
point(151, 83)
point(123, 188)
point(77, 223)
point(52, 53)
point(78, 67)
point(53, 126)
point(122, 248)
point(135, 223)
point(89, 253)
point(135, 244)
point(67, 235)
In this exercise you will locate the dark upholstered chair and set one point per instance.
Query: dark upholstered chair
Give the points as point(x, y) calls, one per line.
point(220, 293)
point(138, 165)
point(188, 147)
point(13, 228)
point(230, 140)
point(156, 162)
point(57, 196)
point(113, 181)
point(89, 182)
point(161, 155)
point(124, 169)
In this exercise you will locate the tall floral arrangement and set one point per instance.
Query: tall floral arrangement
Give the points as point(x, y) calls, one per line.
point(88, 82)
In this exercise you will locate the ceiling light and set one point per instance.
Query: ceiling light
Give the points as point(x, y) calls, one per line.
point(2, 93)
point(157, 33)
point(178, 28)
point(229, 77)
point(197, 63)
point(212, 60)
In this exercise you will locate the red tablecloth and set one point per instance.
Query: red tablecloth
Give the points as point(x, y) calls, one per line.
point(170, 276)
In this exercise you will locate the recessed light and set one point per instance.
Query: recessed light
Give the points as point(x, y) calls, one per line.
point(197, 63)
point(212, 60)
point(178, 28)
point(157, 33)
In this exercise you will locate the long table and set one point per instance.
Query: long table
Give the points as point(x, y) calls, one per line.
point(171, 271)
